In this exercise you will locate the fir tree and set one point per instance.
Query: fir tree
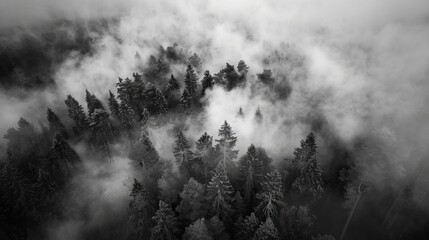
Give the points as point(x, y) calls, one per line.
point(240, 113)
point(247, 227)
point(193, 203)
point(207, 82)
point(197, 231)
point(77, 114)
point(126, 116)
point(242, 67)
point(310, 179)
point(231, 77)
point(195, 61)
point(101, 130)
point(55, 124)
point(172, 85)
point(258, 116)
point(182, 151)
point(114, 106)
point(251, 174)
point(185, 100)
point(204, 150)
point(191, 81)
point(64, 153)
point(296, 222)
point(226, 144)
point(266, 77)
point(141, 212)
point(267, 231)
point(220, 192)
point(271, 196)
point(166, 223)
point(93, 103)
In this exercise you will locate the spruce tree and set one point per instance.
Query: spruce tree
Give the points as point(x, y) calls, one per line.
point(191, 81)
point(258, 116)
point(193, 203)
point(271, 196)
point(182, 151)
point(242, 67)
point(226, 144)
point(172, 85)
point(195, 61)
point(185, 100)
point(266, 77)
point(205, 151)
point(197, 231)
point(240, 113)
point(93, 103)
point(77, 114)
point(207, 82)
point(67, 156)
point(114, 106)
point(126, 116)
point(56, 125)
point(166, 223)
point(267, 231)
point(220, 192)
point(141, 212)
point(246, 228)
point(251, 173)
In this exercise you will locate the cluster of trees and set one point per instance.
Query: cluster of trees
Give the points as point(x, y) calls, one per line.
point(209, 191)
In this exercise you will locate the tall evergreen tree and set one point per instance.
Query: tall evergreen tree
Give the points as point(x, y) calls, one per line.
point(93, 103)
point(197, 231)
point(185, 100)
point(258, 116)
point(172, 85)
point(207, 82)
point(266, 77)
point(242, 67)
point(247, 227)
point(220, 192)
point(267, 231)
point(166, 223)
point(240, 113)
point(191, 81)
point(251, 173)
point(114, 106)
point(126, 116)
point(226, 144)
point(193, 203)
point(77, 114)
point(141, 212)
point(310, 179)
point(271, 196)
point(64, 153)
point(56, 125)
point(195, 61)
point(205, 151)
point(182, 151)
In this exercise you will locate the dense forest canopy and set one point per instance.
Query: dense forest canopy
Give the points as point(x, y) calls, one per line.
point(149, 121)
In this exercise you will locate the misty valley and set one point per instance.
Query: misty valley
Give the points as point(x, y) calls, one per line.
point(140, 121)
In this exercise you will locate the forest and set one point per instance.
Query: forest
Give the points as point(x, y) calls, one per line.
point(214, 120)
point(209, 190)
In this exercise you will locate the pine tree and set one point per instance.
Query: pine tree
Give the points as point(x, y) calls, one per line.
point(271, 196)
point(197, 231)
point(193, 203)
point(64, 153)
point(77, 114)
point(172, 85)
point(56, 125)
point(247, 227)
point(144, 153)
point(166, 223)
point(101, 130)
point(114, 106)
point(157, 103)
point(191, 81)
point(242, 67)
point(240, 113)
point(93, 103)
point(226, 144)
point(185, 100)
point(195, 61)
point(204, 150)
point(142, 210)
point(182, 151)
point(310, 178)
point(231, 77)
point(126, 116)
point(258, 116)
point(251, 174)
point(207, 82)
point(266, 77)
point(267, 231)
point(220, 192)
